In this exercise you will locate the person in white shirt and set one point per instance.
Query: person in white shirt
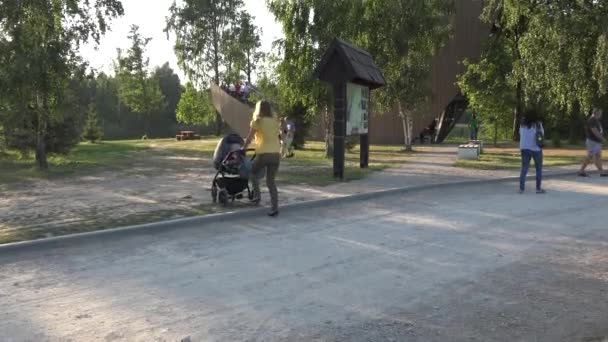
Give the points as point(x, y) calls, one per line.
point(530, 144)
point(287, 133)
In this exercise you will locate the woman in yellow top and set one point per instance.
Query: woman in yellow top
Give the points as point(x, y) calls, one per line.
point(265, 128)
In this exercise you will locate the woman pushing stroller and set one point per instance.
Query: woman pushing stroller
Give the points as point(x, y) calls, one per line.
point(264, 127)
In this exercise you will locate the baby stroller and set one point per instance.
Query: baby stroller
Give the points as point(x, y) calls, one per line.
point(233, 168)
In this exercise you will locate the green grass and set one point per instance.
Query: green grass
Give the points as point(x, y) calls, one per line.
point(84, 158)
point(512, 161)
point(309, 166)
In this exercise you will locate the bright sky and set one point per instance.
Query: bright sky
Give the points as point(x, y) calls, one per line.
point(150, 17)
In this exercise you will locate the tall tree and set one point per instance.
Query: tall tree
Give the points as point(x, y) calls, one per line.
point(92, 133)
point(137, 89)
point(489, 86)
point(403, 36)
point(39, 40)
point(202, 28)
point(249, 43)
point(309, 27)
point(510, 21)
point(551, 57)
point(194, 107)
point(172, 89)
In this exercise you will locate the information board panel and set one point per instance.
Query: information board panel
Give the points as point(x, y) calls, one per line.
point(357, 114)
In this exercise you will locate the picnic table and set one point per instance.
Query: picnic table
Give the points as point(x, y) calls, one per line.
point(187, 135)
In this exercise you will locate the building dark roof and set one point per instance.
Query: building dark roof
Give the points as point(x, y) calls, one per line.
point(344, 62)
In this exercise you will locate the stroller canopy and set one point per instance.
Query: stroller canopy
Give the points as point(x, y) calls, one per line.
point(226, 145)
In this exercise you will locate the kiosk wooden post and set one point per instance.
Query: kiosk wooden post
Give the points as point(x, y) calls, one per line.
point(349, 70)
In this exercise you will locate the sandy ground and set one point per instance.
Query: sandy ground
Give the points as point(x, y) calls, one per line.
point(477, 264)
point(180, 186)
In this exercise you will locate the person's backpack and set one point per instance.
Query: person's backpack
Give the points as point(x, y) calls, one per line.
point(540, 137)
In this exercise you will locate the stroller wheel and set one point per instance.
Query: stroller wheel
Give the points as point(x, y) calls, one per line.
point(222, 197)
point(214, 194)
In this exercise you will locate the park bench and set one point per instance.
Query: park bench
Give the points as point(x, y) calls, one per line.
point(187, 135)
point(468, 151)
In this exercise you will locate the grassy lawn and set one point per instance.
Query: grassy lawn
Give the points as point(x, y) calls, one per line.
point(508, 158)
point(84, 158)
point(307, 167)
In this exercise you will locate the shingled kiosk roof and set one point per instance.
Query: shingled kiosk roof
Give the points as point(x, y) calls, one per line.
point(343, 62)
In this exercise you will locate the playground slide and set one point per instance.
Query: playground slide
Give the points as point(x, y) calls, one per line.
point(236, 114)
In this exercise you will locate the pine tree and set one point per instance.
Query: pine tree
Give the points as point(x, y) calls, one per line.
point(92, 132)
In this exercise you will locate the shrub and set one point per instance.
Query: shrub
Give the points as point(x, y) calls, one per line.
point(92, 132)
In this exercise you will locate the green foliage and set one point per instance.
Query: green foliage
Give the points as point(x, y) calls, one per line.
point(63, 129)
point(487, 85)
point(38, 57)
point(240, 49)
point(120, 122)
point(140, 92)
point(405, 37)
point(204, 39)
point(249, 43)
point(195, 107)
point(549, 55)
point(402, 36)
point(309, 27)
point(202, 29)
point(92, 133)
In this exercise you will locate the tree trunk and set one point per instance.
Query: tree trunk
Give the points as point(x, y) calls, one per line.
point(495, 132)
point(41, 135)
point(407, 127)
point(573, 134)
point(218, 118)
point(249, 67)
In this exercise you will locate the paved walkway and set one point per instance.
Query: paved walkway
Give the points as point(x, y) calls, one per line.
point(485, 264)
point(429, 165)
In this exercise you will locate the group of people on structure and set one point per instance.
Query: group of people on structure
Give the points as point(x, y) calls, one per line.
point(531, 143)
point(239, 90)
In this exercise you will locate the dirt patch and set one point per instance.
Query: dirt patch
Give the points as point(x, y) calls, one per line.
point(158, 184)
